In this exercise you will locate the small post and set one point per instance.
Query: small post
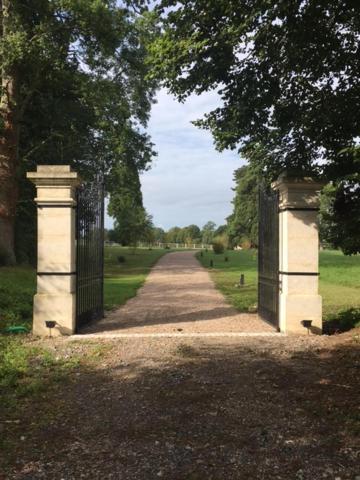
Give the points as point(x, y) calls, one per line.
point(242, 280)
point(211, 263)
point(55, 302)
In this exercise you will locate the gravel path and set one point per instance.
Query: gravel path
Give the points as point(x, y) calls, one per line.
point(178, 297)
point(273, 408)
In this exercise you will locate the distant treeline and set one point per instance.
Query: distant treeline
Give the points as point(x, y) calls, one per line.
point(190, 234)
point(182, 235)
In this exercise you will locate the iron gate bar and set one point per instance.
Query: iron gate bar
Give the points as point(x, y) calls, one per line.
point(268, 256)
point(90, 253)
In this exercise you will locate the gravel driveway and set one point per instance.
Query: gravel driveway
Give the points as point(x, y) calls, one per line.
point(246, 408)
point(178, 297)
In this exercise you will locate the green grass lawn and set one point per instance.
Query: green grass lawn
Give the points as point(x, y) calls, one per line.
point(227, 273)
point(17, 289)
point(339, 279)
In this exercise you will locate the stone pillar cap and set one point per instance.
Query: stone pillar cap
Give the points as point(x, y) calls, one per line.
point(54, 175)
point(298, 192)
point(297, 182)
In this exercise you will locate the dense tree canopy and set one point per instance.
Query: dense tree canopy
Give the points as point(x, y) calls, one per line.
point(287, 73)
point(184, 235)
point(189, 234)
point(339, 213)
point(74, 90)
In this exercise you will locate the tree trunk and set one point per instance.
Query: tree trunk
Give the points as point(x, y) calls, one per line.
point(9, 148)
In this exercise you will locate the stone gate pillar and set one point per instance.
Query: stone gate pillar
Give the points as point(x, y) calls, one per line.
point(56, 270)
point(298, 254)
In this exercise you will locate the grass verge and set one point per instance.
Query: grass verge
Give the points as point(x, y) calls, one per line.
point(34, 375)
point(339, 282)
point(226, 275)
point(17, 289)
point(30, 369)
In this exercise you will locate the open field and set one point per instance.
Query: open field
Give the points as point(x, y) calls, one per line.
point(339, 279)
point(122, 280)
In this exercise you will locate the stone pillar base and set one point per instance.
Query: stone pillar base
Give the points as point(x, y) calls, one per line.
point(59, 308)
point(295, 308)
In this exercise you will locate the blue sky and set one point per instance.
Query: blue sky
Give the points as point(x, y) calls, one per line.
point(189, 182)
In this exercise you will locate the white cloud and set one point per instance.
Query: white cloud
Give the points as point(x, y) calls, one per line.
point(189, 182)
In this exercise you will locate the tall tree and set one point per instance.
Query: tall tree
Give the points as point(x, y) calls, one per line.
point(207, 232)
point(134, 226)
point(73, 91)
point(174, 235)
point(9, 143)
point(132, 223)
point(191, 233)
point(242, 224)
point(288, 74)
point(159, 234)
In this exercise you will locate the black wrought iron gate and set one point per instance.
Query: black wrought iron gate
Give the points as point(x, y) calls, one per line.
point(268, 256)
point(90, 253)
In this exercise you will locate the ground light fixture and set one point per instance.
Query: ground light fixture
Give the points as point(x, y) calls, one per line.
point(50, 324)
point(306, 324)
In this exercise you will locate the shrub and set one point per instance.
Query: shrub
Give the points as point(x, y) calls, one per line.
point(218, 247)
point(223, 239)
point(342, 321)
point(121, 259)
